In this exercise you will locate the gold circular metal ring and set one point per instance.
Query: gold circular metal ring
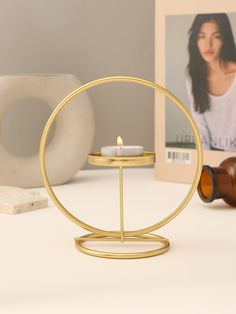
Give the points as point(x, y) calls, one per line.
point(127, 79)
point(149, 237)
point(96, 159)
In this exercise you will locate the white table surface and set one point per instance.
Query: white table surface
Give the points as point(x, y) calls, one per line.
point(42, 271)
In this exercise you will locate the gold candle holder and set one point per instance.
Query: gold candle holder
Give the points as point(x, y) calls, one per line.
point(148, 158)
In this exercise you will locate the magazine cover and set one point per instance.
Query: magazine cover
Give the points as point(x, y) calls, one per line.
point(195, 59)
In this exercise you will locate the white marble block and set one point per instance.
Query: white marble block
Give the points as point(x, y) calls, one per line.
point(14, 200)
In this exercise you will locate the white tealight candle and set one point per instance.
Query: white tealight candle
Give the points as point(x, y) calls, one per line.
point(121, 150)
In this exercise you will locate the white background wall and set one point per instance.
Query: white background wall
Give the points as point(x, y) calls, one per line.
point(90, 39)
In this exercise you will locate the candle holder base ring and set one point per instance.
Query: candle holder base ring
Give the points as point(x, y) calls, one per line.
point(148, 237)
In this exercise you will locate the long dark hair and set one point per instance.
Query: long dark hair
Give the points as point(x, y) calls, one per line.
point(197, 67)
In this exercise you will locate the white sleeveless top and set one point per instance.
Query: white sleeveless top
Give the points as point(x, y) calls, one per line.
point(217, 126)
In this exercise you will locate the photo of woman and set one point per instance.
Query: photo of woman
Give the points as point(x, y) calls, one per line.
point(211, 80)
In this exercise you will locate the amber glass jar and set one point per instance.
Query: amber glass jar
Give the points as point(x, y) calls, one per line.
point(219, 182)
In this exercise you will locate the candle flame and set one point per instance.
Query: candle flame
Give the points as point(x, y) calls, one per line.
point(119, 141)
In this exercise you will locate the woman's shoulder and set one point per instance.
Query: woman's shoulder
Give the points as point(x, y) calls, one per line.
point(188, 84)
point(230, 67)
point(188, 80)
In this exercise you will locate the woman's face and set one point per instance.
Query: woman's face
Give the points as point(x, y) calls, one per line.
point(209, 41)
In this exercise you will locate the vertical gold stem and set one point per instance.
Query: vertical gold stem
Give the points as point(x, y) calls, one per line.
point(121, 205)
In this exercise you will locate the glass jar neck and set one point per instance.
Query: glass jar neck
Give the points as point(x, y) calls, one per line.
point(221, 182)
point(214, 183)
